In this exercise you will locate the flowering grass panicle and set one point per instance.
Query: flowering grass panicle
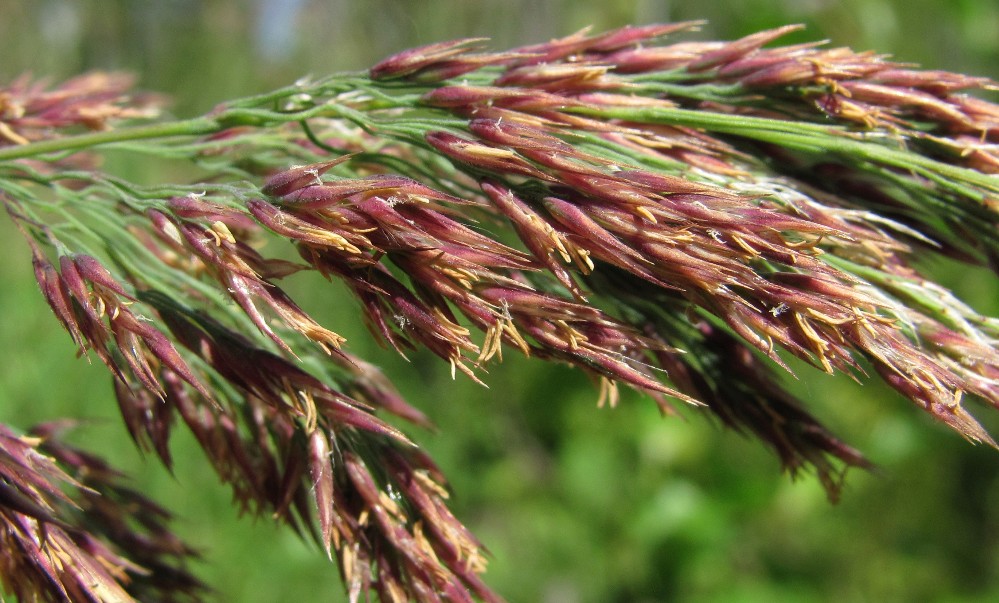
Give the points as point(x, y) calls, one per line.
point(679, 217)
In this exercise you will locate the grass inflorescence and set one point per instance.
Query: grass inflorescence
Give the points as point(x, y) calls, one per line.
point(679, 217)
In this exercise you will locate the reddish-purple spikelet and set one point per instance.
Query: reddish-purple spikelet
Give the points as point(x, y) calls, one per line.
point(473, 98)
point(461, 96)
point(57, 296)
point(561, 78)
point(765, 59)
point(781, 73)
point(483, 156)
point(659, 58)
point(665, 184)
point(322, 485)
point(938, 83)
point(370, 385)
point(539, 236)
point(609, 189)
point(75, 283)
point(518, 136)
point(533, 303)
point(452, 68)
point(164, 350)
point(579, 43)
point(313, 231)
point(292, 179)
point(631, 35)
point(195, 207)
point(331, 193)
point(800, 65)
point(923, 103)
point(414, 59)
point(129, 344)
point(343, 412)
point(92, 270)
point(602, 243)
point(740, 48)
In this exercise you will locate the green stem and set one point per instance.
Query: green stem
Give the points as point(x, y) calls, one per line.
point(187, 127)
point(812, 138)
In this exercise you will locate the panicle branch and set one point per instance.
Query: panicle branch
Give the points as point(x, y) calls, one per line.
point(72, 530)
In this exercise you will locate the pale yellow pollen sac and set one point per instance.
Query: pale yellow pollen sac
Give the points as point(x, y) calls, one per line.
point(325, 339)
point(806, 245)
point(8, 133)
point(428, 482)
point(423, 542)
point(956, 400)
point(488, 152)
point(455, 329)
point(385, 500)
point(311, 329)
point(395, 591)
point(927, 380)
point(464, 277)
point(308, 405)
point(826, 365)
point(107, 302)
point(101, 305)
point(302, 401)
point(770, 345)
point(571, 252)
point(855, 112)
point(332, 239)
point(347, 555)
point(820, 68)
point(820, 344)
point(559, 245)
point(570, 335)
point(337, 543)
point(466, 547)
point(457, 363)
point(518, 340)
point(644, 212)
point(584, 262)
point(609, 395)
point(335, 216)
point(476, 562)
point(744, 245)
point(969, 149)
point(552, 234)
point(866, 319)
point(560, 71)
point(810, 333)
point(877, 251)
point(221, 233)
point(492, 345)
point(831, 319)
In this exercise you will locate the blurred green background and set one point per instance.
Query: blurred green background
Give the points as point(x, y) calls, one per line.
point(575, 503)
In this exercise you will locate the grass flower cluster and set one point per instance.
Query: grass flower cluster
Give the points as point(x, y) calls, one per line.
point(678, 217)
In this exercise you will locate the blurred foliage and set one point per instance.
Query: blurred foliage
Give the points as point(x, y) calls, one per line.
point(575, 503)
